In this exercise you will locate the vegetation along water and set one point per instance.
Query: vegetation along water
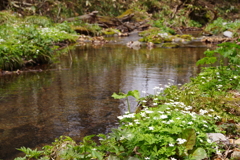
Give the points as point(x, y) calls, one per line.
point(198, 120)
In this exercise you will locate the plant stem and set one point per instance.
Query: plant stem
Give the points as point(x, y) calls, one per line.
point(128, 105)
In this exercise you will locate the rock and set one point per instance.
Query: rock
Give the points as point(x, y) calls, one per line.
point(218, 138)
point(134, 44)
point(150, 44)
point(228, 34)
point(236, 154)
point(233, 141)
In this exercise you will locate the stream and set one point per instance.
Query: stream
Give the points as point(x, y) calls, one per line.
point(72, 97)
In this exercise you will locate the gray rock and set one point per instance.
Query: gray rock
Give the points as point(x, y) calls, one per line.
point(228, 34)
point(134, 45)
point(218, 138)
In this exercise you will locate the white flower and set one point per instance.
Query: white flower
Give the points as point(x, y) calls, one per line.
point(181, 141)
point(190, 123)
point(155, 104)
point(178, 118)
point(163, 116)
point(120, 117)
point(130, 124)
point(217, 117)
point(147, 111)
point(188, 108)
point(218, 151)
point(171, 145)
point(132, 115)
point(173, 158)
point(143, 114)
point(209, 141)
point(151, 128)
point(160, 112)
point(147, 158)
point(202, 111)
point(122, 138)
point(144, 101)
point(205, 125)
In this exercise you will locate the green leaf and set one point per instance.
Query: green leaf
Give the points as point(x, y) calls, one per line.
point(119, 96)
point(134, 93)
point(190, 135)
point(198, 154)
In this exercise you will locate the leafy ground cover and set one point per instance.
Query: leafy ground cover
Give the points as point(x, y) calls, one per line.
point(31, 40)
point(172, 124)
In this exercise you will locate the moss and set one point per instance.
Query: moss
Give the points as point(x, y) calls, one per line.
point(150, 31)
point(186, 37)
point(127, 12)
point(156, 39)
point(169, 38)
point(107, 20)
point(170, 45)
point(110, 31)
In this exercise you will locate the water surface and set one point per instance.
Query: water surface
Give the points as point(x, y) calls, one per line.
point(73, 97)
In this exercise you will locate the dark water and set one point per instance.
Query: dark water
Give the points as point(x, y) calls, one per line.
point(73, 97)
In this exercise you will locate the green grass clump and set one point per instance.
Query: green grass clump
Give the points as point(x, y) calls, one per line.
point(32, 42)
point(220, 25)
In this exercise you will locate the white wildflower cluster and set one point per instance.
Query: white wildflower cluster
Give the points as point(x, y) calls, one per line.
point(181, 141)
point(2, 40)
point(202, 111)
point(151, 128)
point(157, 90)
point(51, 31)
point(132, 115)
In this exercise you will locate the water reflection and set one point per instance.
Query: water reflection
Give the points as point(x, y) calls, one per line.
point(73, 98)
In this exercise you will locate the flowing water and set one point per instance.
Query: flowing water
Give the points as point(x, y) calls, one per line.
point(73, 97)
